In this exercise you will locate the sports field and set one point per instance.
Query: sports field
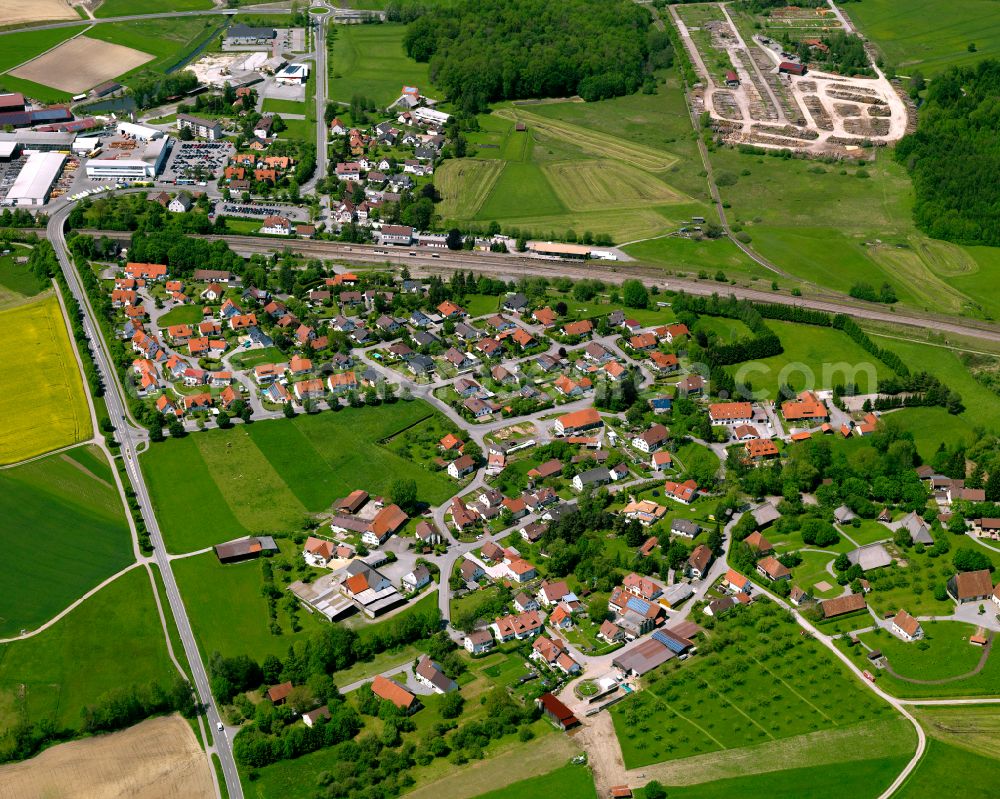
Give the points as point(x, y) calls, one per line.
point(813, 357)
point(913, 35)
point(698, 707)
point(42, 404)
point(17, 12)
point(113, 639)
point(368, 60)
point(80, 64)
point(270, 475)
point(64, 531)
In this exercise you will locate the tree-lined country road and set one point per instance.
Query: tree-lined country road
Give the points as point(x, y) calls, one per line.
point(131, 437)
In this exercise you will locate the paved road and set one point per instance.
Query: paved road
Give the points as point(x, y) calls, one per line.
point(342, 13)
point(130, 438)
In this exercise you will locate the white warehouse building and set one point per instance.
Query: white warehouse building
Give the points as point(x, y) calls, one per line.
point(35, 180)
point(143, 165)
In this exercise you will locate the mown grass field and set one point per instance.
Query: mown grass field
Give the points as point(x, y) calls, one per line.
point(986, 683)
point(269, 475)
point(813, 357)
point(182, 315)
point(228, 613)
point(912, 35)
point(121, 8)
point(368, 60)
point(948, 653)
point(17, 282)
point(25, 45)
point(828, 225)
point(42, 404)
point(113, 639)
point(867, 778)
point(714, 702)
point(955, 771)
point(569, 781)
point(618, 167)
point(64, 531)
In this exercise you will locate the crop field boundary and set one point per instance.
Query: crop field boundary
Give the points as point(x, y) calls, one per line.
point(593, 142)
point(469, 180)
point(867, 740)
point(597, 185)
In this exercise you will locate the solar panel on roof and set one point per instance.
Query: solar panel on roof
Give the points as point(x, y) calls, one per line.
point(670, 643)
point(638, 605)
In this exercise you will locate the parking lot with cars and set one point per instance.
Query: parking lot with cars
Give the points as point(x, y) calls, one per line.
point(194, 162)
point(260, 210)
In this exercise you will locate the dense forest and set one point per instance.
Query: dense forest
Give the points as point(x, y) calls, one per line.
point(954, 156)
point(507, 49)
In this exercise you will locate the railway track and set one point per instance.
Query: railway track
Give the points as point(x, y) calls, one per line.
point(424, 262)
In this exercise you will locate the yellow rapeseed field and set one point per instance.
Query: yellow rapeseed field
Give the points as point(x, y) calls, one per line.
point(42, 404)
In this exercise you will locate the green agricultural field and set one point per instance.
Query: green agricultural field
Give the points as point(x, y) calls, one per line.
point(955, 771)
point(619, 167)
point(465, 183)
point(65, 506)
point(860, 778)
point(182, 315)
point(569, 781)
point(368, 60)
point(270, 475)
point(813, 357)
point(169, 40)
point(16, 48)
point(688, 257)
point(931, 427)
point(713, 702)
point(826, 225)
point(522, 190)
point(982, 406)
point(17, 282)
point(113, 639)
point(42, 404)
point(228, 612)
point(121, 8)
point(912, 37)
point(725, 330)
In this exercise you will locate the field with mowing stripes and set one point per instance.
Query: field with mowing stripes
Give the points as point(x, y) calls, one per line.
point(64, 531)
point(718, 701)
point(465, 183)
point(42, 404)
point(599, 184)
point(270, 475)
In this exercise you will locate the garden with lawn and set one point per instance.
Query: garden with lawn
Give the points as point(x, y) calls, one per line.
point(943, 664)
point(270, 476)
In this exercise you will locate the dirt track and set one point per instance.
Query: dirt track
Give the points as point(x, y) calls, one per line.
point(158, 759)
